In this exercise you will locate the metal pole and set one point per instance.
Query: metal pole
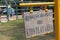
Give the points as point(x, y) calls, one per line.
point(0, 17)
point(36, 4)
point(16, 12)
point(7, 10)
point(57, 19)
point(16, 9)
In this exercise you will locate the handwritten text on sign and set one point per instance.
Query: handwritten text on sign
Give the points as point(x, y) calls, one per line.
point(38, 23)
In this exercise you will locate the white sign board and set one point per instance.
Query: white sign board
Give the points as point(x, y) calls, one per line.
point(38, 23)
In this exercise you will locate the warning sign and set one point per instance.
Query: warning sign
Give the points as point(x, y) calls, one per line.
point(38, 23)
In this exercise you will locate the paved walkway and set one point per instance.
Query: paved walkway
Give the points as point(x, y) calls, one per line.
point(4, 18)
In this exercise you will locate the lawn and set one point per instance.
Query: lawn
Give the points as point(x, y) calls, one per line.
point(14, 30)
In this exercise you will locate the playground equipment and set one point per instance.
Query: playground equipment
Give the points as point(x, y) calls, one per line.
point(14, 3)
point(56, 4)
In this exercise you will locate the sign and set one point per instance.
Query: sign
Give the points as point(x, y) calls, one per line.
point(38, 23)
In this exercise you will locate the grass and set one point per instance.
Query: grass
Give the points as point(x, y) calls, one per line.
point(14, 30)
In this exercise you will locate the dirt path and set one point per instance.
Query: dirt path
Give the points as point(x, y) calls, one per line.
point(4, 18)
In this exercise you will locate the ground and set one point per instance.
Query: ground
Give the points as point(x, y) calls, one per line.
point(3, 18)
point(14, 30)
